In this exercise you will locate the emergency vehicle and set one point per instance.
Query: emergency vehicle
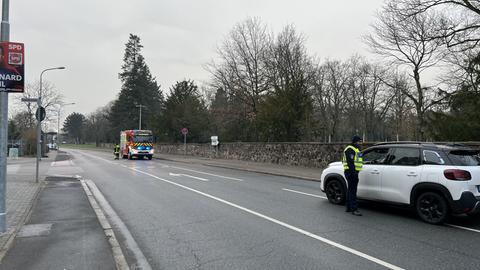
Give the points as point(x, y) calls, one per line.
point(136, 143)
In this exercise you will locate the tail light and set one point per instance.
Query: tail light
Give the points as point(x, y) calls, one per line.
point(457, 175)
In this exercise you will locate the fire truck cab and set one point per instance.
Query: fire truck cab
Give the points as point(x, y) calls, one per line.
point(136, 143)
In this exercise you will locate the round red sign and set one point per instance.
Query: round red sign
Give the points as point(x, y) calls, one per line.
point(184, 131)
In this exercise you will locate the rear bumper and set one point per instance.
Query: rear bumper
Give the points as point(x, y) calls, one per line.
point(467, 203)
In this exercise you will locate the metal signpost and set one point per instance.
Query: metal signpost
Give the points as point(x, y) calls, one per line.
point(11, 80)
point(184, 131)
point(4, 36)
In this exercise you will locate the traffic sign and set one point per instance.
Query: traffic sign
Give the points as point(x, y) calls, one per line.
point(184, 131)
point(40, 114)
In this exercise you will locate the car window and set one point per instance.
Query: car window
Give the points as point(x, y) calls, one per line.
point(464, 158)
point(405, 157)
point(375, 156)
point(432, 157)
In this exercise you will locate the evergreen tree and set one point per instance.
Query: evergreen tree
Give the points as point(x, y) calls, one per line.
point(184, 107)
point(74, 126)
point(139, 88)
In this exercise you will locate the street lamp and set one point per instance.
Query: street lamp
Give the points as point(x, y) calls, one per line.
point(140, 118)
point(39, 126)
point(58, 126)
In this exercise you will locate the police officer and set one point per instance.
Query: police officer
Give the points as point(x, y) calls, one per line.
point(352, 164)
point(116, 151)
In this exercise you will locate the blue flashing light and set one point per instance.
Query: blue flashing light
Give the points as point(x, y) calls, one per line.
point(148, 148)
point(140, 147)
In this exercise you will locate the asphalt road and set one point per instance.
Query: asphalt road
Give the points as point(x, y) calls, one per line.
point(189, 216)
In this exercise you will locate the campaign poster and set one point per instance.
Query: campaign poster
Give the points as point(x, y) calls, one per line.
point(12, 60)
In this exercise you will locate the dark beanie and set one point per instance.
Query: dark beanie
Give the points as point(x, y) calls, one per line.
point(356, 139)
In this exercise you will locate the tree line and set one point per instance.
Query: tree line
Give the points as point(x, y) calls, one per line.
point(267, 87)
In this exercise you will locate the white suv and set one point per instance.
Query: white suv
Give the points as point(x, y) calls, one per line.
point(436, 180)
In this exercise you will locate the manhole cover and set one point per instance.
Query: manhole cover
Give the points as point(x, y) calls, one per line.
point(33, 230)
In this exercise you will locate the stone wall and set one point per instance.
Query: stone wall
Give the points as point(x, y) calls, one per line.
point(317, 155)
point(297, 154)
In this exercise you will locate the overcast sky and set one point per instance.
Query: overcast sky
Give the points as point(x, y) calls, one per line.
point(179, 36)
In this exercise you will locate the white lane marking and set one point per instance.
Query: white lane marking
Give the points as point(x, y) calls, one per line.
point(463, 228)
point(450, 225)
point(283, 224)
point(211, 174)
point(308, 194)
point(325, 240)
point(191, 176)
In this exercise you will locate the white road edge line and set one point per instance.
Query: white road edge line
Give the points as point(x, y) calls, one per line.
point(308, 194)
point(142, 262)
point(463, 228)
point(120, 261)
point(191, 176)
point(288, 226)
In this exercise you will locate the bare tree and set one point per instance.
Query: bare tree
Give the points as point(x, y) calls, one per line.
point(406, 41)
point(98, 126)
point(457, 21)
point(240, 70)
point(370, 96)
point(51, 99)
point(291, 74)
point(330, 96)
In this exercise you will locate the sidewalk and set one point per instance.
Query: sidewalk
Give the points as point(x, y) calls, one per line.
point(21, 194)
point(312, 174)
point(62, 230)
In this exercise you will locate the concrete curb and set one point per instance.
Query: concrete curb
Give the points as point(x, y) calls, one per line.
point(27, 215)
point(120, 261)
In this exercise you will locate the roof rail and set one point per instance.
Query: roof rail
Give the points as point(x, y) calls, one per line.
point(403, 142)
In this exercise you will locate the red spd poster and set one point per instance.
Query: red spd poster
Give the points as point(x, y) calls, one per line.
point(12, 60)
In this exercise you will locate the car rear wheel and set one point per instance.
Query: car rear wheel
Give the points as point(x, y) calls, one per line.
point(432, 208)
point(335, 191)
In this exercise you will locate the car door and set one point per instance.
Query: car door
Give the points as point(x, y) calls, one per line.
point(401, 172)
point(369, 186)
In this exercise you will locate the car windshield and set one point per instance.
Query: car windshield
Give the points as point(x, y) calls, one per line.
point(143, 138)
point(464, 158)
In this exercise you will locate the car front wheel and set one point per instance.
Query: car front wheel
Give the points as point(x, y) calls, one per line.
point(335, 191)
point(432, 208)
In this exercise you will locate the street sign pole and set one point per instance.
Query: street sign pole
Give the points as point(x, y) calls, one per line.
point(4, 36)
point(185, 144)
point(184, 131)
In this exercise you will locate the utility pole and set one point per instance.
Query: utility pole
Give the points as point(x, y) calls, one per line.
point(4, 36)
point(140, 116)
point(58, 121)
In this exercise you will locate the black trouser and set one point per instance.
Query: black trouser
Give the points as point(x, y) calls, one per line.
point(352, 180)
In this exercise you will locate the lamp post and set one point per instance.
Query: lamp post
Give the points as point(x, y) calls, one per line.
point(4, 36)
point(58, 125)
point(39, 126)
point(140, 117)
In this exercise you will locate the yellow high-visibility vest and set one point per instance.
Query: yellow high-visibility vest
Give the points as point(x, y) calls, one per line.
point(357, 160)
